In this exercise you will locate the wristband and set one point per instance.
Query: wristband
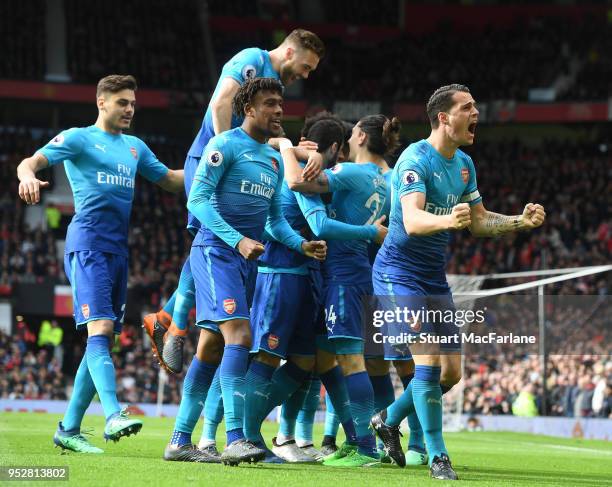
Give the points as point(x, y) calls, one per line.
point(284, 144)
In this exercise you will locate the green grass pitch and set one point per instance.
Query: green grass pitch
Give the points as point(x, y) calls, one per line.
point(480, 459)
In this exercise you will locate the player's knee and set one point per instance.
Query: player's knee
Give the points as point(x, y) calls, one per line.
point(431, 360)
point(351, 364)
point(324, 362)
point(377, 366)
point(450, 377)
point(237, 332)
point(101, 327)
point(210, 347)
point(303, 362)
point(404, 367)
point(426, 352)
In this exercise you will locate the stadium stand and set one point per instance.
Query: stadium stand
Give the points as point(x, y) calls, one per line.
point(149, 46)
point(26, 255)
point(578, 386)
point(563, 53)
point(23, 52)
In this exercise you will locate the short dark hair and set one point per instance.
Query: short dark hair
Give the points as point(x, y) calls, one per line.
point(114, 83)
point(249, 89)
point(307, 40)
point(325, 132)
point(383, 133)
point(442, 101)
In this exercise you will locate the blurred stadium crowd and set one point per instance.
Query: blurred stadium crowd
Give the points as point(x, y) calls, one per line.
point(578, 386)
point(564, 51)
point(498, 63)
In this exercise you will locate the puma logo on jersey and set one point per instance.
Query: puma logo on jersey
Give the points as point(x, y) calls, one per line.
point(266, 396)
point(101, 147)
point(438, 175)
point(243, 396)
point(431, 400)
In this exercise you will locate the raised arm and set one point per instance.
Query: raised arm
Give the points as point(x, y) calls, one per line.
point(296, 176)
point(419, 222)
point(29, 185)
point(221, 105)
point(329, 229)
point(485, 223)
point(278, 227)
point(66, 145)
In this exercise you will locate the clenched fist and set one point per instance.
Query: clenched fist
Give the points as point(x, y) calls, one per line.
point(381, 230)
point(250, 249)
point(460, 217)
point(533, 215)
point(315, 248)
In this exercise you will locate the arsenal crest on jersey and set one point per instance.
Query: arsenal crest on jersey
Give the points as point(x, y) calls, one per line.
point(274, 164)
point(134, 153)
point(465, 175)
point(85, 311)
point(229, 305)
point(272, 342)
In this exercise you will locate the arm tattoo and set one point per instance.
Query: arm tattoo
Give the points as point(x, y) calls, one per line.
point(495, 224)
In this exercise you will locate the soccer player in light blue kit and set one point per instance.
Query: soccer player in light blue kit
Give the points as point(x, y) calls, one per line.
point(286, 312)
point(358, 196)
point(236, 194)
point(434, 191)
point(101, 164)
point(377, 365)
point(295, 58)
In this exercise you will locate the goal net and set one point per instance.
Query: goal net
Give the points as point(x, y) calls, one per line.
point(531, 315)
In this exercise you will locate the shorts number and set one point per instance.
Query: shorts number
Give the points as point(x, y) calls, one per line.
point(330, 315)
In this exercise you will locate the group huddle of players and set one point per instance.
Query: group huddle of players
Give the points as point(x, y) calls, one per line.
point(284, 241)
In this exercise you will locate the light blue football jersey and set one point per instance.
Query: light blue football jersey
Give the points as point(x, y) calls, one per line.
point(101, 168)
point(359, 194)
point(307, 213)
point(446, 183)
point(387, 206)
point(277, 255)
point(373, 247)
point(237, 192)
point(247, 64)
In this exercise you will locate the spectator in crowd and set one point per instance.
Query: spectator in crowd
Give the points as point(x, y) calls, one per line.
point(29, 374)
point(50, 338)
point(525, 403)
point(54, 217)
